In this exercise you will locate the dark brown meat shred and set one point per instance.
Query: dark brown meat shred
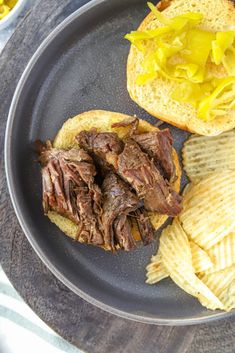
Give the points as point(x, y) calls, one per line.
point(137, 169)
point(103, 147)
point(122, 233)
point(132, 123)
point(158, 145)
point(144, 225)
point(69, 189)
point(119, 203)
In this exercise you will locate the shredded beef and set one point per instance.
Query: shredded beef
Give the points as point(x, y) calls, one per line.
point(157, 144)
point(118, 202)
point(144, 225)
point(103, 147)
point(134, 178)
point(135, 167)
point(122, 233)
point(132, 123)
point(69, 189)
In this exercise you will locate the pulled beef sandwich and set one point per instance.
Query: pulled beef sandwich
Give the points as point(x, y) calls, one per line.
point(110, 179)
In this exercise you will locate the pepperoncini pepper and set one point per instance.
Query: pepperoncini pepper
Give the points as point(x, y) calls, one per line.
point(180, 50)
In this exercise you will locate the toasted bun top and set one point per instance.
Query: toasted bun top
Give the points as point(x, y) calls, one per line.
point(155, 95)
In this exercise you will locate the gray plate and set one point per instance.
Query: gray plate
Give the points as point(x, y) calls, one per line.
point(82, 66)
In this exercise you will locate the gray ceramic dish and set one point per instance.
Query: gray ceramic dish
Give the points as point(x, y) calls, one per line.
point(81, 66)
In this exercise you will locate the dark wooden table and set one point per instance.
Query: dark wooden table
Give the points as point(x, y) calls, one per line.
point(84, 325)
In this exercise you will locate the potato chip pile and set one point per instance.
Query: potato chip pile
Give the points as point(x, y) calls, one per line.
point(197, 251)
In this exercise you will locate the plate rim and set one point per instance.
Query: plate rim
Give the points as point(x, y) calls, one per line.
point(23, 223)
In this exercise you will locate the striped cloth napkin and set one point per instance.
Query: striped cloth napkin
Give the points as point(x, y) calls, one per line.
point(21, 330)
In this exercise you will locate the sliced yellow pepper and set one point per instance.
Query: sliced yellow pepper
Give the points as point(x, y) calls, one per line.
point(153, 65)
point(178, 50)
point(223, 41)
point(159, 16)
point(198, 46)
point(11, 3)
point(4, 10)
point(176, 37)
point(229, 62)
point(187, 92)
point(192, 93)
point(148, 34)
point(219, 102)
point(165, 51)
point(187, 71)
point(6, 6)
point(187, 20)
point(177, 23)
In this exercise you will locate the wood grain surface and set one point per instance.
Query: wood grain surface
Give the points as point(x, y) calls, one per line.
point(86, 326)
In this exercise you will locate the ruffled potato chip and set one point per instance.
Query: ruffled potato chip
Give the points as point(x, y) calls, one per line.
point(209, 208)
point(222, 253)
point(222, 284)
point(177, 259)
point(200, 258)
point(205, 155)
point(156, 271)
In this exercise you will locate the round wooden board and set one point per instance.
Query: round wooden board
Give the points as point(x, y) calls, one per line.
point(84, 325)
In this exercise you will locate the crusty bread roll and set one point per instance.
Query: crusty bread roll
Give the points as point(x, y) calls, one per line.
point(155, 95)
point(102, 121)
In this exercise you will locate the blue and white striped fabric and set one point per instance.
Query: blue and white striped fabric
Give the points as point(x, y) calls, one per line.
point(21, 330)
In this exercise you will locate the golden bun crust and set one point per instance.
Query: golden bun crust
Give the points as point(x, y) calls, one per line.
point(102, 121)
